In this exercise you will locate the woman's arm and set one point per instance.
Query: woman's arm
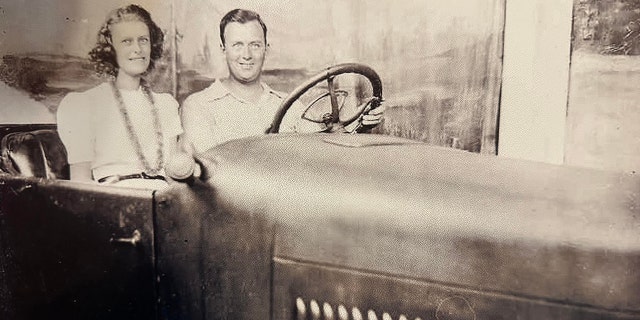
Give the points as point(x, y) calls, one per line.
point(81, 171)
point(75, 129)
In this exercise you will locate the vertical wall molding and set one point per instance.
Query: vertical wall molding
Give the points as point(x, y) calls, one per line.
point(535, 82)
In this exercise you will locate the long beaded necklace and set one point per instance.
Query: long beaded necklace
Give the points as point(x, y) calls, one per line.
point(152, 171)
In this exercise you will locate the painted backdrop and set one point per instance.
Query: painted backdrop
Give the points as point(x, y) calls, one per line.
point(603, 112)
point(440, 61)
point(44, 48)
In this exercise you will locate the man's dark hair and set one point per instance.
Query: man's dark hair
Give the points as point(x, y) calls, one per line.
point(241, 16)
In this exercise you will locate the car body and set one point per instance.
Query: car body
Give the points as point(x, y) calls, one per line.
point(328, 226)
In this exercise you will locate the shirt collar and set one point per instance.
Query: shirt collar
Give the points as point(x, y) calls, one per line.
point(217, 90)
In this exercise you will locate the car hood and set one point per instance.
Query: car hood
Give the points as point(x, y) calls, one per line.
point(393, 206)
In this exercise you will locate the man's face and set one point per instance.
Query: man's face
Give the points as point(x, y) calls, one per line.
point(244, 49)
point(132, 43)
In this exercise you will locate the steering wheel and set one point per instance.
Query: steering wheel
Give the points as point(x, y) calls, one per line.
point(332, 121)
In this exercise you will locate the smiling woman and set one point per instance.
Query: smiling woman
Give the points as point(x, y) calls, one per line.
point(120, 132)
point(131, 41)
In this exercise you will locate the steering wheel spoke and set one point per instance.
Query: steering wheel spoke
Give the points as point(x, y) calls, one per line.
point(335, 111)
point(311, 112)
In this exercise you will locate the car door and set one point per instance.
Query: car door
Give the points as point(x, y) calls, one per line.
point(75, 251)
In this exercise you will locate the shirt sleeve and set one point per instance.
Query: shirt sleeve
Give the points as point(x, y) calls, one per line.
point(74, 127)
point(171, 123)
point(196, 126)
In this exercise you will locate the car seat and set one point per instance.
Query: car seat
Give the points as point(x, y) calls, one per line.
point(37, 153)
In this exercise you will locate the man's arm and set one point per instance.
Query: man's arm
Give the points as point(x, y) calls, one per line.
point(197, 135)
point(293, 121)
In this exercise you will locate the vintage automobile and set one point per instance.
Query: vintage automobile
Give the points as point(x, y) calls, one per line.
point(319, 226)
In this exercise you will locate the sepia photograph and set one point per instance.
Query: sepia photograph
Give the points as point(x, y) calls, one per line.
point(358, 159)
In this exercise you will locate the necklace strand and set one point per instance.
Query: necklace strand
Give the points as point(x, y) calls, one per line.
point(132, 135)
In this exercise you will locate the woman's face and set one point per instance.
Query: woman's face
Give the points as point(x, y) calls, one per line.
point(132, 43)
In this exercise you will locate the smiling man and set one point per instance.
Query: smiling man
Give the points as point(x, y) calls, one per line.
point(241, 105)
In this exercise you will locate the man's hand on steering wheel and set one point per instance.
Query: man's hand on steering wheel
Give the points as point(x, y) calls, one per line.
point(365, 117)
point(371, 117)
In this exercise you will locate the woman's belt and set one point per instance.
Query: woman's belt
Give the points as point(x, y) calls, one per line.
point(115, 178)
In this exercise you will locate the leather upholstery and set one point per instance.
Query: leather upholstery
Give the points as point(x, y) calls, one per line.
point(38, 153)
